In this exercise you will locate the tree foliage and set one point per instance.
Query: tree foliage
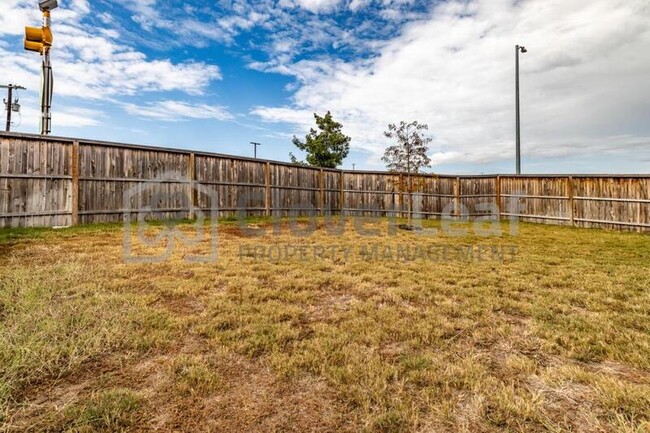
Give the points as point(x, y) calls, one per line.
point(409, 155)
point(327, 147)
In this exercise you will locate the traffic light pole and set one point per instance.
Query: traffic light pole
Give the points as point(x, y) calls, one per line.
point(47, 84)
point(39, 39)
point(46, 96)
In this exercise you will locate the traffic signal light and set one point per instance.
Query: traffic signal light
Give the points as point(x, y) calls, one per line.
point(38, 39)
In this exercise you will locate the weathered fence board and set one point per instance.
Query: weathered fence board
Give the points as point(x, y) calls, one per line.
point(115, 181)
point(229, 184)
point(53, 181)
point(536, 199)
point(35, 182)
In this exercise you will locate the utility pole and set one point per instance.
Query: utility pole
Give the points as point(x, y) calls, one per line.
point(255, 148)
point(39, 39)
point(518, 49)
point(11, 106)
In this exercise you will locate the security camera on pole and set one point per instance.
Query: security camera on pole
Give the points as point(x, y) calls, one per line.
point(40, 40)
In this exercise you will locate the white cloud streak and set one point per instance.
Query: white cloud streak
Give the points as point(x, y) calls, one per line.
point(175, 111)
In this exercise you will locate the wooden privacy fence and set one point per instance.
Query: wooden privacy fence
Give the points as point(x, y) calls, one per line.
point(52, 181)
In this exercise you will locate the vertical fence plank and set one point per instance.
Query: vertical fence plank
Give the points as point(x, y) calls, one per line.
point(497, 190)
point(192, 185)
point(267, 189)
point(400, 197)
point(639, 209)
point(570, 207)
point(321, 197)
point(74, 219)
point(342, 192)
point(457, 197)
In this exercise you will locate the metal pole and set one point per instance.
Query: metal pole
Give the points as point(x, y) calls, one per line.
point(46, 96)
point(255, 144)
point(47, 85)
point(9, 106)
point(518, 49)
point(518, 119)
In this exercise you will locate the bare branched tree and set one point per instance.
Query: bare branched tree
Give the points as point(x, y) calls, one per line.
point(409, 155)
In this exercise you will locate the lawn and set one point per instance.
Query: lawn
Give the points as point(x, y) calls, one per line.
point(544, 330)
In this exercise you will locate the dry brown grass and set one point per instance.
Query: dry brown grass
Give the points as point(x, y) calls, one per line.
point(555, 338)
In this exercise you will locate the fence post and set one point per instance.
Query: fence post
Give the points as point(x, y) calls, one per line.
point(571, 209)
point(639, 208)
point(400, 197)
point(74, 218)
point(193, 198)
point(457, 197)
point(342, 193)
point(321, 197)
point(267, 189)
point(498, 195)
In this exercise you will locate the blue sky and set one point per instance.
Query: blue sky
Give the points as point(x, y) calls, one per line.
point(215, 75)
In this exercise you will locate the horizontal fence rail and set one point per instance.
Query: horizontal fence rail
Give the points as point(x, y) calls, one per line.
point(56, 181)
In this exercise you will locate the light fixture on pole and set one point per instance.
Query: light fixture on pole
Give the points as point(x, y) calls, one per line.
point(518, 49)
point(255, 144)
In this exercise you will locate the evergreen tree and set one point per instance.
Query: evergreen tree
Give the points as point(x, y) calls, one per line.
point(327, 147)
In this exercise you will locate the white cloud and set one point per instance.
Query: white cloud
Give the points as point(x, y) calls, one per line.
point(584, 81)
point(174, 111)
point(63, 116)
point(318, 5)
point(304, 119)
point(91, 63)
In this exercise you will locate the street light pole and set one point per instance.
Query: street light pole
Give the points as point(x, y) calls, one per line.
point(518, 49)
point(255, 144)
